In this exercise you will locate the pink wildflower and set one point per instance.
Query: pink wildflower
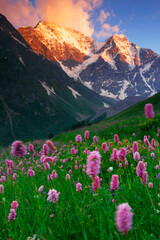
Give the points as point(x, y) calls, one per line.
point(136, 156)
point(31, 147)
point(55, 159)
point(153, 155)
point(93, 164)
point(86, 135)
point(135, 147)
point(12, 214)
point(115, 155)
point(3, 178)
point(41, 188)
point(78, 187)
point(67, 177)
point(104, 146)
point(9, 171)
point(157, 167)
point(75, 167)
point(45, 149)
point(1, 188)
point(31, 173)
point(20, 164)
point(149, 113)
point(95, 139)
point(14, 176)
point(51, 145)
point(18, 149)
point(153, 142)
point(144, 178)
point(150, 185)
point(116, 138)
point(140, 169)
point(9, 164)
point(122, 154)
point(96, 184)
point(123, 219)
point(54, 175)
point(126, 163)
point(53, 195)
point(146, 142)
point(114, 182)
point(78, 138)
point(46, 166)
point(14, 205)
point(120, 165)
point(73, 151)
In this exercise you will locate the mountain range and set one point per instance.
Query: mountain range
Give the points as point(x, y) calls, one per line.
point(53, 77)
point(37, 98)
point(116, 68)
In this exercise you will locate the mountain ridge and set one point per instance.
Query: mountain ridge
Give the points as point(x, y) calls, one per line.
point(37, 97)
point(116, 68)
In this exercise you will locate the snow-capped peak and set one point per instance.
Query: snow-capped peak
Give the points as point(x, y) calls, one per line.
point(51, 33)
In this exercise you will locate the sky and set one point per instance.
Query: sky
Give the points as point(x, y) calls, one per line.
point(138, 20)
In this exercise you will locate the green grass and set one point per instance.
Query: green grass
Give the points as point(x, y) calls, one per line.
point(86, 214)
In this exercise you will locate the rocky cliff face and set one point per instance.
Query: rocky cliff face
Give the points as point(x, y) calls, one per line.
point(57, 43)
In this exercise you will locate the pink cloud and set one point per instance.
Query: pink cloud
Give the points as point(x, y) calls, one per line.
point(107, 30)
point(19, 12)
point(71, 13)
point(103, 16)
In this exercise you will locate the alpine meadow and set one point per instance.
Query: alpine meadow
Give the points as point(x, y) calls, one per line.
point(79, 120)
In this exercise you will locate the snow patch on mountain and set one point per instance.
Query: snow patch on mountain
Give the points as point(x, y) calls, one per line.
point(74, 92)
point(88, 84)
point(108, 58)
point(145, 81)
point(106, 93)
point(106, 105)
point(18, 41)
point(122, 94)
point(138, 54)
point(49, 90)
point(147, 67)
point(78, 69)
point(21, 60)
point(69, 72)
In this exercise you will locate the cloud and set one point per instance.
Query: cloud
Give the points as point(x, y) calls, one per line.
point(71, 13)
point(107, 30)
point(103, 16)
point(19, 12)
point(76, 14)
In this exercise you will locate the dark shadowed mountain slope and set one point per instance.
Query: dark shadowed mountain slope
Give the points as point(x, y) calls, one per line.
point(37, 98)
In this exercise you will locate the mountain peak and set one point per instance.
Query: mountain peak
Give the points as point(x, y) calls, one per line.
point(44, 22)
point(57, 42)
point(119, 36)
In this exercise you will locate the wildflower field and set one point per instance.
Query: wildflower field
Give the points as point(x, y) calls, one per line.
point(103, 183)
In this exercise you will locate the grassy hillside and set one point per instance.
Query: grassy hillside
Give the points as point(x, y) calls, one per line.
point(64, 197)
point(126, 122)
